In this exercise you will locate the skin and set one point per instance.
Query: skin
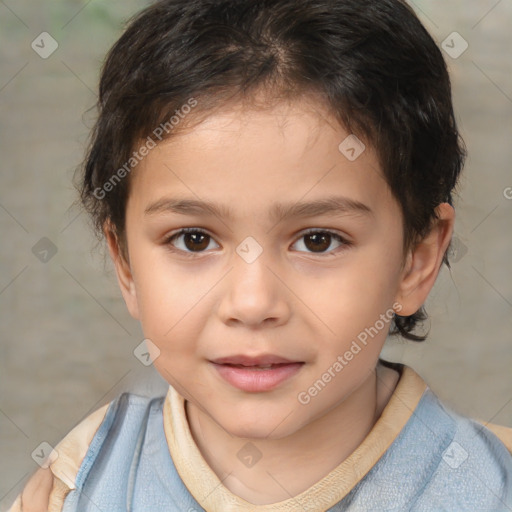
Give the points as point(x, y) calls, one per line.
point(291, 301)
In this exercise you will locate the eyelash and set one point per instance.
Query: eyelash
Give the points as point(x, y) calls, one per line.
point(168, 241)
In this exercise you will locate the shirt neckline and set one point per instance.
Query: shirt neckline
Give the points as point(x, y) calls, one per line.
point(211, 494)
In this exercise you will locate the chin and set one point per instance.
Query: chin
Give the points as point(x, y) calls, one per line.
point(259, 425)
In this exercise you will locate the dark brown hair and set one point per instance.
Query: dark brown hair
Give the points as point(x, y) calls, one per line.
point(371, 62)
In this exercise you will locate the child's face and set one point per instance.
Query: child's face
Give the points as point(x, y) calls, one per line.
point(305, 299)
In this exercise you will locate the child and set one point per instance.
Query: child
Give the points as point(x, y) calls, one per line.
point(258, 131)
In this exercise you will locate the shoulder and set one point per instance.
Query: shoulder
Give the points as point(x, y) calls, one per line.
point(48, 487)
point(474, 469)
point(439, 460)
point(55, 479)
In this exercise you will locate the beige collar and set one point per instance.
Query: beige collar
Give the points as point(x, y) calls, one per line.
point(212, 495)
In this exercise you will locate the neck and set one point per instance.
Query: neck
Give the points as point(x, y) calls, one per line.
point(316, 449)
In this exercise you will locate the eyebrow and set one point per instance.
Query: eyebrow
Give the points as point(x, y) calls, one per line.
point(333, 205)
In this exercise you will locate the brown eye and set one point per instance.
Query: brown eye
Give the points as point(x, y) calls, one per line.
point(196, 241)
point(189, 241)
point(318, 242)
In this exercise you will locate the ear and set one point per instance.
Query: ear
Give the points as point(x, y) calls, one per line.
point(424, 261)
point(123, 271)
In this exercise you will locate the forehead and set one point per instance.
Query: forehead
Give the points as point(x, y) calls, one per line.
point(247, 161)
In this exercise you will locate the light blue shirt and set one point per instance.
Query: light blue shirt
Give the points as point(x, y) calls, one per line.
point(439, 461)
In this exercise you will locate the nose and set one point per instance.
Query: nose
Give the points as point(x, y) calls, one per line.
point(253, 295)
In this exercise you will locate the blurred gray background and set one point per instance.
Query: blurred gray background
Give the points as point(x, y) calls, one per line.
point(67, 339)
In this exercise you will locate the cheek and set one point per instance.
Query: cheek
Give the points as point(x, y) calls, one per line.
point(358, 286)
point(348, 303)
point(170, 296)
point(377, 270)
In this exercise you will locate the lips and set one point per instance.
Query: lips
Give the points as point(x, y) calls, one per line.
point(256, 374)
point(261, 361)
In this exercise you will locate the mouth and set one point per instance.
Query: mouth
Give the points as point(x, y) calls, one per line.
point(257, 367)
point(265, 360)
point(256, 374)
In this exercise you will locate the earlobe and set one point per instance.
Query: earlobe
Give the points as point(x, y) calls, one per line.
point(424, 262)
point(123, 272)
